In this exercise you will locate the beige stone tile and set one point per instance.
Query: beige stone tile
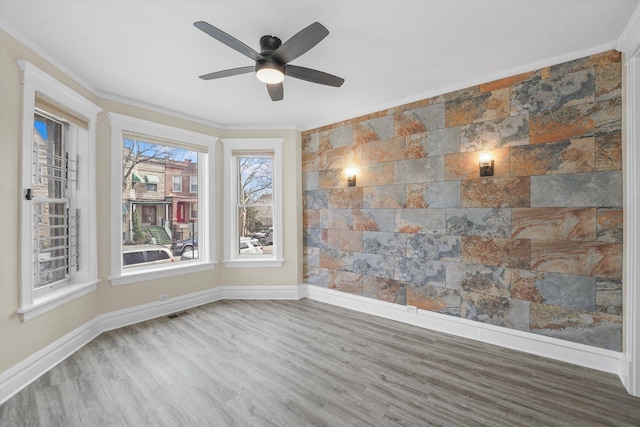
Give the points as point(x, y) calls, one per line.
point(554, 223)
point(510, 192)
point(494, 251)
point(580, 258)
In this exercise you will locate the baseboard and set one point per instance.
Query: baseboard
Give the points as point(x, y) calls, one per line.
point(261, 292)
point(553, 348)
point(137, 314)
point(140, 313)
point(625, 373)
point(24, 373)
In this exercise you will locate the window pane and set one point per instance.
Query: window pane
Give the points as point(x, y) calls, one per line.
point(255, 204)
point(52, 248)
point(256, 179)
point(177, 183)
point(160, 213)
point(255, 228)
point(49, 160)
point(50, 204)
point(193, 184)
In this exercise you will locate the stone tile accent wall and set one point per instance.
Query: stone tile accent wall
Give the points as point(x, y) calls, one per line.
point(537, 247)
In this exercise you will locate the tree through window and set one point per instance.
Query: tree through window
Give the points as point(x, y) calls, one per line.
point(253, 202)
point(152, 176)
point(255, 196)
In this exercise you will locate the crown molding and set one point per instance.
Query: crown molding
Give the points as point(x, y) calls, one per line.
point(629, 41)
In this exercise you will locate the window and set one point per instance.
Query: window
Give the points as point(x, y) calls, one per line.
point(152, 187)
point(253, 209)
point(193, 184)
point(156, 151)
point(52, 190)
point(194, 210)
point(59, 254)
point(177, 183)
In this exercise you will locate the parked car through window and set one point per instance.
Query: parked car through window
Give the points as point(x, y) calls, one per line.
point(142, 255)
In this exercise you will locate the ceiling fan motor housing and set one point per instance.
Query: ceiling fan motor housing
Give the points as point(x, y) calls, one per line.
point(269, 44)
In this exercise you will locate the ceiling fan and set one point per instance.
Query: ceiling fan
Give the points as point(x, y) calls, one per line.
point(272, 63)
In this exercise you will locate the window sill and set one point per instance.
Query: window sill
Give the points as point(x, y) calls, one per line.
point(253, 263)
point(56, 298)
point(143, 275)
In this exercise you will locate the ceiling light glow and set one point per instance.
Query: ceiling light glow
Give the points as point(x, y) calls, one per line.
point(270, 75)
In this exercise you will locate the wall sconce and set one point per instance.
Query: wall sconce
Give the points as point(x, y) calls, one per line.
point(351, 176)
point(486, 165)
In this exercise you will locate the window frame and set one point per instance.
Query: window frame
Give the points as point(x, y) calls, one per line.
point(232, 149)
point(191, 180)
point(37, 83)
point(179, 138)
point(175, 181)
point(66, 142)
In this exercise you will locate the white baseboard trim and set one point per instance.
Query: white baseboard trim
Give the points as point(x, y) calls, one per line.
point(261, 292)
point(24, 373)
point(140, 313)
point(625, 373)
point(553, 348)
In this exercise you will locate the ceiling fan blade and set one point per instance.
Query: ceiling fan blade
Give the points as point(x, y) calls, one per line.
point(300, 43)
point(225, 38)
point(228, 73)
point(276, 91)
point(313, 76)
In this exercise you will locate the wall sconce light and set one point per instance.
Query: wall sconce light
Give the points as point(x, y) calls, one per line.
point(486, 165)
point(351, 176)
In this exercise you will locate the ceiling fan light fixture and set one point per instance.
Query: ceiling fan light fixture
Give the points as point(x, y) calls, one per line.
point(273, 61)
point(269, 72)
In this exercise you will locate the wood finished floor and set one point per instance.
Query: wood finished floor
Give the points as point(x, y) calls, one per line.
point(299, 363)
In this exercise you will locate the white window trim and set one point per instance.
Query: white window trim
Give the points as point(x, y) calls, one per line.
point(231, 257)
point(206, 252)
point(86, 279)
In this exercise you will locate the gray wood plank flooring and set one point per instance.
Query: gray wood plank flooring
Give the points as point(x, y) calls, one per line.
point(301, 363)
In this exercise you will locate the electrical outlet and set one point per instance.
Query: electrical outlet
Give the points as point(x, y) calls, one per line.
point(164, 297)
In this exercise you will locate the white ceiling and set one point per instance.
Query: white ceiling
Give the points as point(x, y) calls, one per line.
point(389, 52)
